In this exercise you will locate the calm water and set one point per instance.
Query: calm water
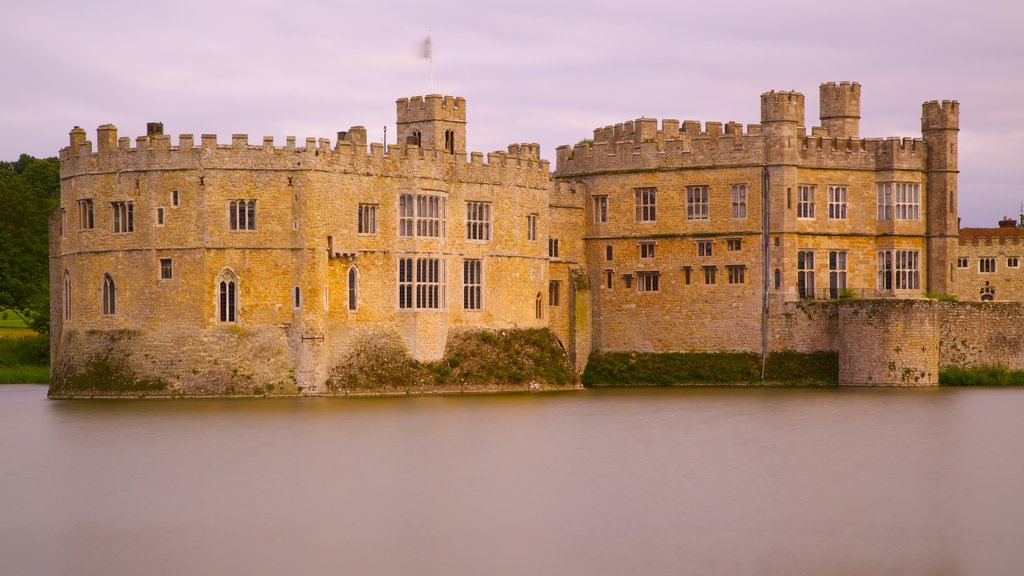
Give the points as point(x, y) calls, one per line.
point(652, 481)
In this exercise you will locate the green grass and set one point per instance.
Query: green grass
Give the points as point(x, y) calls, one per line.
point(981, 376)
point(24, 359)
point(681, 368)
point(24, 374)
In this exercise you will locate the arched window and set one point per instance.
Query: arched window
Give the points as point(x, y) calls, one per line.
point(353, 288)
point(67, 295)
point(539, 307)
point(109, 295)
point(449, 141)
point(416, 137)
point(226, 288)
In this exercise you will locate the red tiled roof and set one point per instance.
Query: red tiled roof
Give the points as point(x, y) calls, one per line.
point(991, 234)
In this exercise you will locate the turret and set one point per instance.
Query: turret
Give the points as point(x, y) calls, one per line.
point(840, 109)
point(77, 140)
point(782, 111)
point(940, 123)
point(433, 121)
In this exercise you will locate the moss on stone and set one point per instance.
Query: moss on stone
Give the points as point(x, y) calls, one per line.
point(104, 376)
point(683, 368)
point(518, 359)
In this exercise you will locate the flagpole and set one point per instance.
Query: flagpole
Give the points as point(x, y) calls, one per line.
point(430, 42)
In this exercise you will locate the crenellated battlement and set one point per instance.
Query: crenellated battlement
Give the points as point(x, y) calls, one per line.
point(348, 152)
point(785, 106)
point(840, 109)
point(431, 107)
point(943, 115)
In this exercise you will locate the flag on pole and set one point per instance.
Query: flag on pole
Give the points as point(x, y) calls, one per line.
point(425, 49)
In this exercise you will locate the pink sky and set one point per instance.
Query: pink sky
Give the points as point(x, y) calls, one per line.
point(545, 72)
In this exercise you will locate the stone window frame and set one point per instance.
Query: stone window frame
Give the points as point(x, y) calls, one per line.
point(353, 289)
point(987, 265)
point(422, 215)
point(609, 275)
point(906, 201)
point(1012, 262)
point(166, 266)
point(710, 272)
point(837, 201)
point(86, 214)
point(241, 215)
point(647, 249)
point(739, 201)
point(647, 281)
point(697, 202)
point(600, 206)
point(805, 201)
point(123, 216)
point(175, 198)
point(805, 274)
point(296, 298)
point(554, 292)
point(733, 244)
point(646, 204)
point(736, 273)
point(478, 221)
point(962, 262)
point(108, 295)
point(227, 297)
point(899, 269)
point(531, 227)
point(366, 220)
point(837, 272)
point(705, 248)
point(422, 283)
point(67, 295)
point(687, 275)
point(472, 284)
point(552, 247)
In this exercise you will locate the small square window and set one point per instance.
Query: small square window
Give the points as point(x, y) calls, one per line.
point(647, 249)
point(704, 247)
point(733, 244)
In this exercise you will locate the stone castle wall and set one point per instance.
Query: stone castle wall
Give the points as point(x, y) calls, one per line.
point(306, 238)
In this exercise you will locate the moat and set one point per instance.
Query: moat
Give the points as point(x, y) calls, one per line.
point(610, 481)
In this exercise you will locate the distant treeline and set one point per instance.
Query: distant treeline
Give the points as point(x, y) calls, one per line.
point(29, 192)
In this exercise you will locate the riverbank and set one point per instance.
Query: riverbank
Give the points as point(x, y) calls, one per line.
point(24, 355)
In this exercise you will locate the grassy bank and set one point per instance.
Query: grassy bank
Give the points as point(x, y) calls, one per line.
point(24, 358)
point(697, 368)
point(981, 376)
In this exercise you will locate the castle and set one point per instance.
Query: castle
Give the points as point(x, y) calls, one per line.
point(194, 262)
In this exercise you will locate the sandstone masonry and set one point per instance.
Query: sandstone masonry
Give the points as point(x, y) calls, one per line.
point(230, 266)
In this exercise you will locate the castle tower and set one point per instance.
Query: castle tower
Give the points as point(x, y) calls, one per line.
point(940, 123)
point(840, 109)
point(782, 123)
point(433, 121)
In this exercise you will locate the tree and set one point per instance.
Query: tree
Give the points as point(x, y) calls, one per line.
point(29, 189)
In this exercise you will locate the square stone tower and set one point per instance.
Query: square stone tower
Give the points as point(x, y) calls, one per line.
point(433, 121)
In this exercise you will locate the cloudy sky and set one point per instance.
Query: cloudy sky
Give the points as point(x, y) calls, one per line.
point(546, 72)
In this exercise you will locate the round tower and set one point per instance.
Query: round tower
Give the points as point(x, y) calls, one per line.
point(782, 110)
point(840, 109)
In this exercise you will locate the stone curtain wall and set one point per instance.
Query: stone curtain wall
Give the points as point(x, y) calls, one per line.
point(889, 342)
point(982, 334)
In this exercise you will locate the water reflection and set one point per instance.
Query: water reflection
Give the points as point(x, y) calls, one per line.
point(682, 481)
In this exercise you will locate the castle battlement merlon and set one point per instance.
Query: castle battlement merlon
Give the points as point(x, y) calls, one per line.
point(431, 107)
point(348, 152)
point(944, 115)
